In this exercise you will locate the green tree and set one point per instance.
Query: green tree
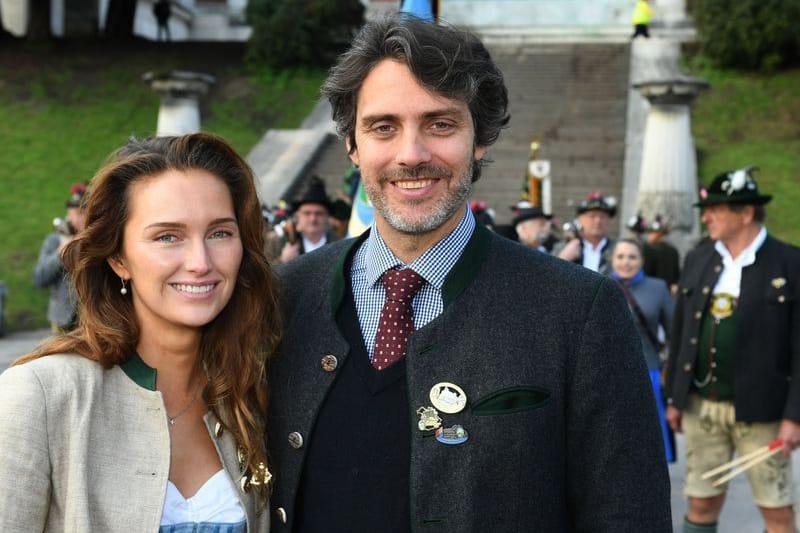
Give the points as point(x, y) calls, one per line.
point(750, 34)
point(301, 32)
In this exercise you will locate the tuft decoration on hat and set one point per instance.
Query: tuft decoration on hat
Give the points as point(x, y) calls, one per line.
point(660, 223)
point(733, 187)
point(595, 201)
point(637, 223)
point(76, 194)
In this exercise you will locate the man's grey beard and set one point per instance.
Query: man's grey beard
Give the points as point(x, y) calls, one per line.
point(444, 209)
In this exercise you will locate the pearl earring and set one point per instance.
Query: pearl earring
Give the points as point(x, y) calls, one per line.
point(124, 290)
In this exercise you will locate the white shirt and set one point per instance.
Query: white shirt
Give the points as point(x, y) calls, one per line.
point(309, 246)
point(730, 279)
point(592, 255)
point(216, 501)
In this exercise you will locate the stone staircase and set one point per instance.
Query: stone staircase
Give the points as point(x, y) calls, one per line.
point(572, 97)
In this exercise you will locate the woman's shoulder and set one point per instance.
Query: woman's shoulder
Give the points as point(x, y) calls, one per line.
point(52, 371)
point(654, 284)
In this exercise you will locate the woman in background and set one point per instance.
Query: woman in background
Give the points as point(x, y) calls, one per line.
point(652, 306)
point(149, 415)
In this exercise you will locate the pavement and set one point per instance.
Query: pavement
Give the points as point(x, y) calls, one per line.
point(739, 515)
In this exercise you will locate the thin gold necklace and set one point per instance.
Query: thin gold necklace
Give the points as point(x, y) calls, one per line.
point(172, 419)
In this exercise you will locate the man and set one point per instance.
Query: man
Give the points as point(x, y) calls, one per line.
point(520, 402)
point(312, 211)
point(162, 11)
point(733, 377)
point(593, 248)
point(532, 225)
point(661, 259)
point(642, 13)
point(49, 270)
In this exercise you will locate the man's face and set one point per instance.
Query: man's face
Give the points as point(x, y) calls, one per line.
point(724, 224)
point(416, 150)
point(312, 220)
point(76, 217)
point(594, 224)
point(534, 231)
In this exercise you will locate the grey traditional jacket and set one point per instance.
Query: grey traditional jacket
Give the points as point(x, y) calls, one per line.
point(767, 360)
point(49, 273)
point(88, 449)
point(563, 432)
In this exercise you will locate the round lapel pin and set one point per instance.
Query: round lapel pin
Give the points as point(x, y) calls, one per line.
point(448, 398)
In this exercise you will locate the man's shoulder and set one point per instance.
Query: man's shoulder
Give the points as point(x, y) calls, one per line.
point(702, 251)
point(782, 249)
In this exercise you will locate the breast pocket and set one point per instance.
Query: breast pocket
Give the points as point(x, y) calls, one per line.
point(511, 400)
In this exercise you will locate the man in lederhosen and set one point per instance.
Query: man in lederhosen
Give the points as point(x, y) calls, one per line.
point(733, 380)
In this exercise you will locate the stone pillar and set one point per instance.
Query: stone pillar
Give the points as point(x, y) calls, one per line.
point(180, 98)
point(668, 174)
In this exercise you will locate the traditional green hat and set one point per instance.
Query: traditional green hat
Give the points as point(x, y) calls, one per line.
point(733, 187)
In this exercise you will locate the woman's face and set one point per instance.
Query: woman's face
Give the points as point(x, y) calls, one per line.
point(181, 250)
point(626, 260)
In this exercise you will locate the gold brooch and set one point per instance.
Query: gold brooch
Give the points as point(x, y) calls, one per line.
point(778, 282)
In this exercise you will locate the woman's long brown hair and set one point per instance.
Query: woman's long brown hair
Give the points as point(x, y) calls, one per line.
point(235, 345)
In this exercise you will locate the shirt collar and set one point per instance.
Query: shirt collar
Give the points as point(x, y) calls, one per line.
point(748, 255)
point(588, 246)
point(433, 265)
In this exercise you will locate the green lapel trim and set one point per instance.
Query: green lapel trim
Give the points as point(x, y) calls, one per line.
point(339, 280)
point(139, 372)
point(467, 266)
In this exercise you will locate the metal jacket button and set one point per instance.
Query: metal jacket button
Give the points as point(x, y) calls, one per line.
point(329, 363)
point(295, 440)
point(698, 315)
point(687, 367)
point(281, 513)
point(706, 290)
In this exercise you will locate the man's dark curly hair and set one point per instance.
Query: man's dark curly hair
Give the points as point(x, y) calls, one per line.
point(447, 61)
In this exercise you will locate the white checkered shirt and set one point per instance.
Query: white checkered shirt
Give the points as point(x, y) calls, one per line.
point(373, 258)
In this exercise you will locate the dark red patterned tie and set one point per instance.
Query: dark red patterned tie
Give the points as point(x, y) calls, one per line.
point(397, 317)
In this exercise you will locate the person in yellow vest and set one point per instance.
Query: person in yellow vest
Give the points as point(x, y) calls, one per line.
point(642, 14)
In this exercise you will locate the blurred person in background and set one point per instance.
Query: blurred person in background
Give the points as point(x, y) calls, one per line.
point(311, 228)
point(661, 259)
point(592, 248)
point(652, 307)
point(49, 270)
point(532, 226)
point(149, 415)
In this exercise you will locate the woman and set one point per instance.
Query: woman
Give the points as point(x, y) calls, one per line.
point(148, 416)
point(651, 305)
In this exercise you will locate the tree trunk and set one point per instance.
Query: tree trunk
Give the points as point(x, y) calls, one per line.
point(119, 19)
point(38, 20)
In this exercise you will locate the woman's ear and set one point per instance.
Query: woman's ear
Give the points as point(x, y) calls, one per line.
point(118, 266)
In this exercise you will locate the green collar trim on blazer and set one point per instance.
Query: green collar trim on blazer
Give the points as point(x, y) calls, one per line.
point(460, 276)
point(139, 372)
point(339, 281)
point(467, 266)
